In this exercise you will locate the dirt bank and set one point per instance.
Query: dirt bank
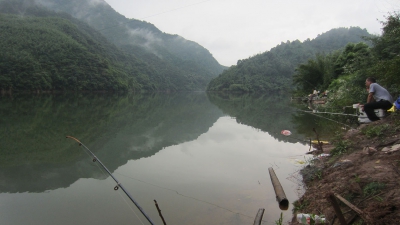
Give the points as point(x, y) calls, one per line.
point(364, 168)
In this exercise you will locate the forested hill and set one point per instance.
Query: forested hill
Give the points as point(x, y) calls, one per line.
point(42, 50)
point(272, 71)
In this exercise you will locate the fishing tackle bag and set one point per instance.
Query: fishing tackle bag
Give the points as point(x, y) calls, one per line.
point(397, 103)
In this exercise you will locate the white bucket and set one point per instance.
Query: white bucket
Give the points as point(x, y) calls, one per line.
point(306, 219)
point(363, 118)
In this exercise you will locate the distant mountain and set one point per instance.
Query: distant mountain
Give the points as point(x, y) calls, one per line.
point(43, 50)
point(140, 38)
point(272, 71)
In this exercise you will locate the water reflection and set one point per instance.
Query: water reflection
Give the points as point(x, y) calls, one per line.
point(269, 113)
point(274, 113)
point(35, 156)
point(204, 158)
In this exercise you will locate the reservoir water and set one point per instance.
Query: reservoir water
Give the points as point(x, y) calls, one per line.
point(203, 157)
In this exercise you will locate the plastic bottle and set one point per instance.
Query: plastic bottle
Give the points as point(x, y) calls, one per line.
point(306, 219)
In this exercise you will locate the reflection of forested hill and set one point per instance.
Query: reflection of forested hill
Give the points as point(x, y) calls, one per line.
point(268, 113)
point(274, 113)
point(326, 125)
point(116, 128)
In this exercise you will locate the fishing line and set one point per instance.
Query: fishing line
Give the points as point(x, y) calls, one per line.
point(341, 114)
point(331, 113)
point(119, 185)
point(304, 111)
point(129, 205)
point(277, 133)
point(186, 196)
point(289, 137)
point(106, 175)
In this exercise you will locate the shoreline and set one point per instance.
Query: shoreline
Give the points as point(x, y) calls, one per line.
point(363, 168)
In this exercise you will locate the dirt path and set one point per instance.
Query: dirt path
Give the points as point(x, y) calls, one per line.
point(364, 168)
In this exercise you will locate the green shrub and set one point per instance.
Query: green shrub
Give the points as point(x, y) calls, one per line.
point(300, 205)
point(341, 147)
point(373, 188)
point(280, 220)
point(375, 131)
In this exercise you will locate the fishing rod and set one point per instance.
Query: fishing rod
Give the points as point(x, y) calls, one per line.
point(119, 185)
point(341, 114)
point(310, 112)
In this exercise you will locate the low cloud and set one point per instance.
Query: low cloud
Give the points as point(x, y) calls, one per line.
point(45, 3)
point(97, 2)
point(147, 39)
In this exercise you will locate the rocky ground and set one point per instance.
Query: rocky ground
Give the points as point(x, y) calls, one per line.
point(363, 168)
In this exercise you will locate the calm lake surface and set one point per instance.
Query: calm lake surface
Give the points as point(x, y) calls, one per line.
point(203, 157)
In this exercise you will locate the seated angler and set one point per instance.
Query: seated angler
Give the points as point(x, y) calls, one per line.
point(383, 100)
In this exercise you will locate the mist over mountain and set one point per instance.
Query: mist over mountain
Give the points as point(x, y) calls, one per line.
point(109, 52)
point(144, 37)
point(129, 54)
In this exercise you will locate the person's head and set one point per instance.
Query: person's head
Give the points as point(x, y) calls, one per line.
point(369, 81)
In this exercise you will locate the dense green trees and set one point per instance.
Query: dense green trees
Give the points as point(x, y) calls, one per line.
point(42, 50)
point(308, 76)
point(168, 54)
point(387, 52)
point(319, 72)
point(52, 53)
point(272, 71)
point(344, 72)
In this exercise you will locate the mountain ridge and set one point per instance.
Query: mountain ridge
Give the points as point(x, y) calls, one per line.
point(272, 71)
point(123, 31)
point(118, 68)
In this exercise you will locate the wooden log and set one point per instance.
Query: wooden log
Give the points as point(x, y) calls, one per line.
point(280, 194)
point(336, 207)
point(159, 212)
point(367, 219)
point(319, 142)
point(259, 216)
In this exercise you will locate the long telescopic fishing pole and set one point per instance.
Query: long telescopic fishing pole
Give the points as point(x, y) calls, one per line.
point(95, 159)
point(327, 118)
point(331, 113)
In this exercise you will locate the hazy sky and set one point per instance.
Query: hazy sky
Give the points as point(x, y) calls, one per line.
point(238, 29)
